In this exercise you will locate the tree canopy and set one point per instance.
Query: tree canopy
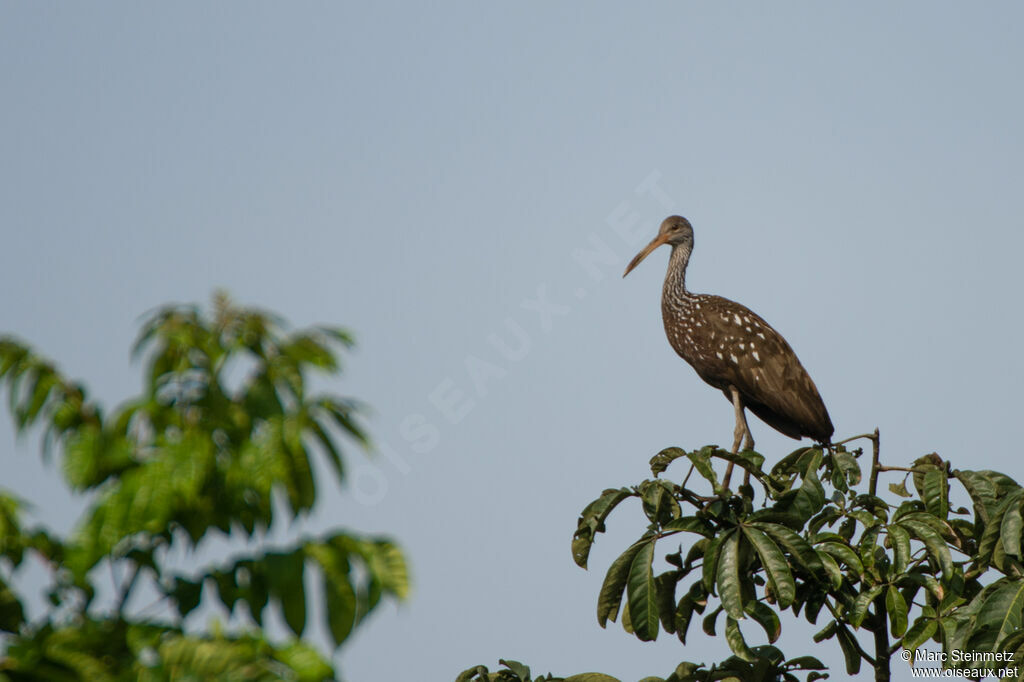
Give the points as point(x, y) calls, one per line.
point(219, 445)
point(912, 573)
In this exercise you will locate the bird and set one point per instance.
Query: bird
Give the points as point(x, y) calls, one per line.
point(736, 351)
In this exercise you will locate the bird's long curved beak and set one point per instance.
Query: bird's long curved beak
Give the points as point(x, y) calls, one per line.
point(655, 243)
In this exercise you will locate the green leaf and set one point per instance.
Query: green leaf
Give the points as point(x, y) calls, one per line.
point(660, 462)
point(918, 580)
point(694, 600)
point(708, 624)
point(843, 553)
point(847, 464)
point(285, 575)
point(798, 549)
point(12, 614)
point(615, 582)
point(922, 465)
point(330, 449)
point(766, 617)
point(702, 462)
point(861, 603)
point(981, 489)
point(747, 459)
point(900, 489)
point(305, 661)
point(773, 516)
point(809, 498)
point(866, 518)
point(791, 462)
point(805, 663)
point(933, 543)
point(920, 632)
point(813, 601)
point(342, 602)
point(897, 609)
point(659, 501)
point(827, 632)
point(665, 596)
point(709, 567)
point(990, 537)
point(867, 545)
point(643, 602)
point(344, 414)
point(1010, 531)
point(690, 524)
point(387, 564)
point(728, 578)
point(875, 505)
point(900, 540)
point(1003, 609)
point(936, 493)
point(774, 562)
point(186, 595)
point(835, 574)
point(940, 526)
point(521, 671)
point(592, 520)
point(299, 482)
point(736, 642)
point(826, 517)
point(850, 650)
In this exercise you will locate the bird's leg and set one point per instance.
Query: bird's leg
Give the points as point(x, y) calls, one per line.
point(748, 443)
point(738, 433)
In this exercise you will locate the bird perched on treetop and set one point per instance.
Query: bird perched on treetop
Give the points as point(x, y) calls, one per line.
point(735, 350)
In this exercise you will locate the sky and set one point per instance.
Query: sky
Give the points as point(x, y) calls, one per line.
point(462, 186)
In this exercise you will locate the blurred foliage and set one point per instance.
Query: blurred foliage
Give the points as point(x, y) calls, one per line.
point(770, 665)
point(877, 575)
point(226, 423)
point(514, 671)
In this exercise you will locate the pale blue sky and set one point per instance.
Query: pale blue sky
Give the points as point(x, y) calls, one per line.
point(853, 174)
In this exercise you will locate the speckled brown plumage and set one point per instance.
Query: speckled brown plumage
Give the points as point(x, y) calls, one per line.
point(735, 350)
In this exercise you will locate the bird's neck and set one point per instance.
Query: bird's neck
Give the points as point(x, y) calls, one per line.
point(675, 279)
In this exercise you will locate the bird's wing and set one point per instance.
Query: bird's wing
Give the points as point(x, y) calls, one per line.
point(750, 355)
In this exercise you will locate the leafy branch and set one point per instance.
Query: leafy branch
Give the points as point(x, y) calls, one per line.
point(879, 575)
point(226, 421)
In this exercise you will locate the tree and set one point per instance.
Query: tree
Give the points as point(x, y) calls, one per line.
point(881, 576)
point(226, 423)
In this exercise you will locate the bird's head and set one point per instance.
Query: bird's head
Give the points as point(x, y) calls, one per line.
point(675, 230)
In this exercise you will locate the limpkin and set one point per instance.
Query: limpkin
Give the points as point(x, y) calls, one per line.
point(735, 350)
